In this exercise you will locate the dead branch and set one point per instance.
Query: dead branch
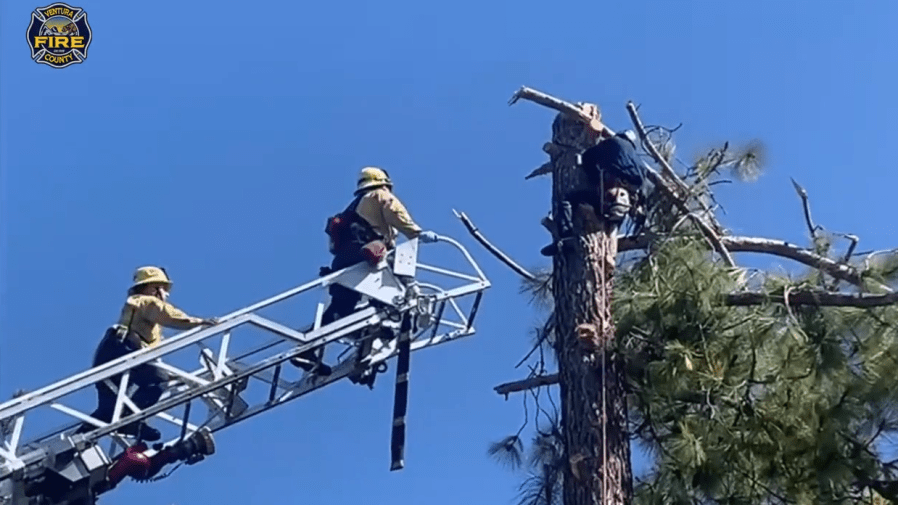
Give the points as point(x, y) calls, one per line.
point(817, 298)
point(773, 247)
point(715, 240)
point(665, 166)
point(676, 189)
point(544, 333)
point(491, 248)
point(835, 269)
point(806, 204)
point(545, 168)
point(560, 105)
point(527, 384)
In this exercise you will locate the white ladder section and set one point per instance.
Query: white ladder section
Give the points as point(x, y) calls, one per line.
point(240, 374)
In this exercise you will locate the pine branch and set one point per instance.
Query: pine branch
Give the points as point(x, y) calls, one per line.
point(493, 249)
point(526, 384)
point(817, 298)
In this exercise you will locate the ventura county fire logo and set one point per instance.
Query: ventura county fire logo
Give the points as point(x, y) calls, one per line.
point(59, 35)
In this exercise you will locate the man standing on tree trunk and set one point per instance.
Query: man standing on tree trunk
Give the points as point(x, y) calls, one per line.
point(615, 175)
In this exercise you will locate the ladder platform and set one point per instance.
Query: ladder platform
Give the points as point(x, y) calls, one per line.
point(230, 372)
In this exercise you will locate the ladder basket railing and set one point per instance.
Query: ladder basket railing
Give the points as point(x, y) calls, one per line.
point(235, 384)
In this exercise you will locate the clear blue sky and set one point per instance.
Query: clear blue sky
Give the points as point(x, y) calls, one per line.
point(215, 138)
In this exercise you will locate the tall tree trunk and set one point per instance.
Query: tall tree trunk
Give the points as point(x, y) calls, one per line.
point(581, 286)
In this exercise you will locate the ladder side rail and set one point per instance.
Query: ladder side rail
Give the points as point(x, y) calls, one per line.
point(49, 393)
point(107, 370)
point(328, 333)
point(324, 335)
point(292, 391)
point(337, 326)
point(306, 340)
point(309, 384)
point(12, 407)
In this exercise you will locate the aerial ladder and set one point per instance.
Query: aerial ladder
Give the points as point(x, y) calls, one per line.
point(243, 371)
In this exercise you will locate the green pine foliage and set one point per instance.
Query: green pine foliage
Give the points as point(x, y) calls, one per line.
point(766, 404)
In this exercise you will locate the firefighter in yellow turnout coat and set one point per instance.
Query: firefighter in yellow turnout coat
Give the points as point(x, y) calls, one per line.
point(145, 312)
point(369, 228)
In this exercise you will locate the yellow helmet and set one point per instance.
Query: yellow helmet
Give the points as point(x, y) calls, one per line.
point(372, 177)
point(150, 275)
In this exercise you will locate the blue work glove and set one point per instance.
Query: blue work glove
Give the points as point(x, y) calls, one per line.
point(428, 237)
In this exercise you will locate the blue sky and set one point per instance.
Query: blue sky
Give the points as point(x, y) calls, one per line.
point(215, 138)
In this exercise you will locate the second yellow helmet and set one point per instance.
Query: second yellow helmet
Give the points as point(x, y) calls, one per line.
point(371, 177)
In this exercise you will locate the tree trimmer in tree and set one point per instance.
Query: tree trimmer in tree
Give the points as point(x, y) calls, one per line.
point(616, 177)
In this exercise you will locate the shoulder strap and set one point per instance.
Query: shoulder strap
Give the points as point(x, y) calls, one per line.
point(355, 202)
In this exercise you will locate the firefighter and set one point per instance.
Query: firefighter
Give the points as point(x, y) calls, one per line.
point(365, 231)
point(145, 312)
point(616, 177)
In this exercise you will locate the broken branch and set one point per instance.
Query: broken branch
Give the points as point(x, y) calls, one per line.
point(545, 168)
point(806, 204)
point(715, 240)
point(665, 166)
point(680, 192)
point(527, 384)
point(560, 105)
point(491, 248)
point(817, 298)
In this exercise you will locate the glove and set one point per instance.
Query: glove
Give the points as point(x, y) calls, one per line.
point(324, 271)
point(428, 237)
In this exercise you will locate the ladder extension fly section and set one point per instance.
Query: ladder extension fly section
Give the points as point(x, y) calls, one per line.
point(239, 375)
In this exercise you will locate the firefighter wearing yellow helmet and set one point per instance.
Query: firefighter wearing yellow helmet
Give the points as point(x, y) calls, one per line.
point(146, 310)
point(383, 210)
point(365, 231)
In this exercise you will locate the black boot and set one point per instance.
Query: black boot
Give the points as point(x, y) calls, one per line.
point(309, 362)
point(142, 431)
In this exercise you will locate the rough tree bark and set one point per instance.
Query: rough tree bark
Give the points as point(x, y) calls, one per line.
point(598, 449)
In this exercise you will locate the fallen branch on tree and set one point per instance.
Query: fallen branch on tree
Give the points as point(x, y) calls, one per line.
point(491, 248)
point(773, 247)
point(817, 298)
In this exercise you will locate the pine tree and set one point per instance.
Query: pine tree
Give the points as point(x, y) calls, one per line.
point(747, 387)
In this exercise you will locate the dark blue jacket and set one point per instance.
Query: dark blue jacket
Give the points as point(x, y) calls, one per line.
point(617, 156)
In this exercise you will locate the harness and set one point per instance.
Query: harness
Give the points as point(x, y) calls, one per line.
point(353, 236)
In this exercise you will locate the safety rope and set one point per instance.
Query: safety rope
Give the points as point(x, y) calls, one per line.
point(602, 275)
